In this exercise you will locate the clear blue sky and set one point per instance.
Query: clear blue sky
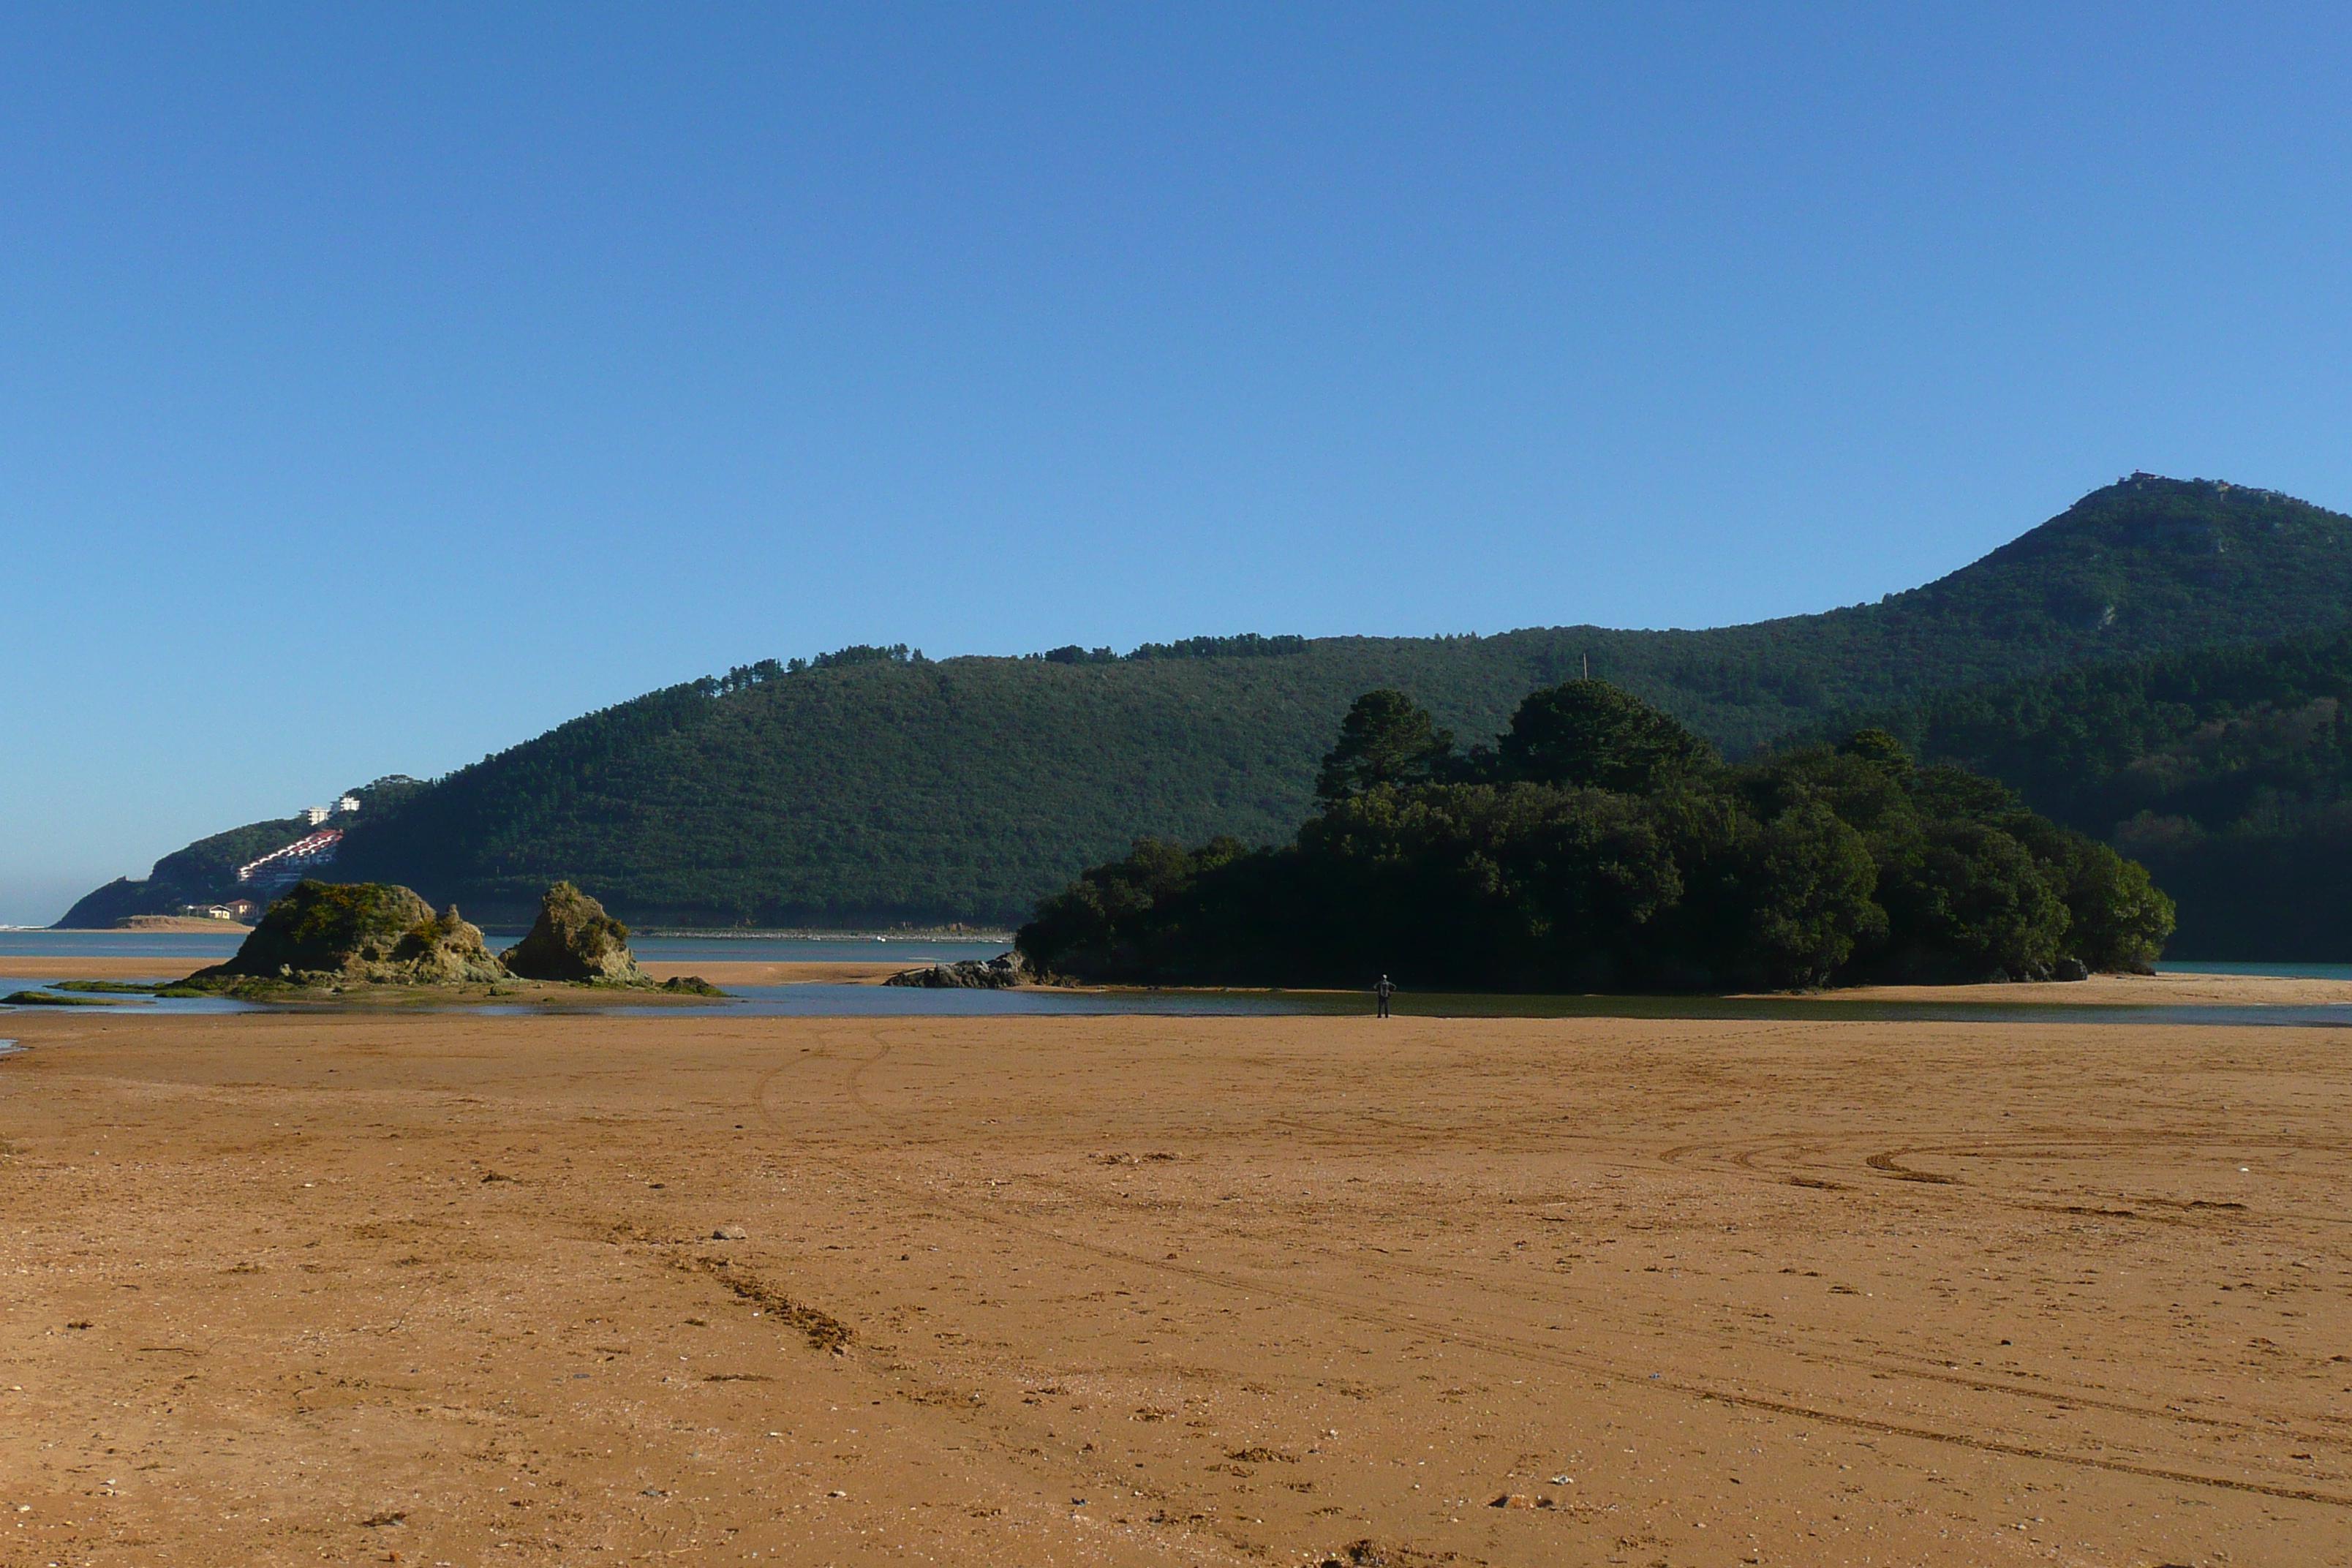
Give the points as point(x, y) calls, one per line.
point(384, 384)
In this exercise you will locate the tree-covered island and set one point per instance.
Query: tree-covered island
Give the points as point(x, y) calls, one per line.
point(1597, 846)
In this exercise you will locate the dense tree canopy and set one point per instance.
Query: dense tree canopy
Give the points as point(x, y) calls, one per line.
point(2227, 771)
point(1589, 734)
point(1821, 866)
point(1387, 738)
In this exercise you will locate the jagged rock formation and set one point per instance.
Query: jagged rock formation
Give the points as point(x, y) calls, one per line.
point(446, 950)
point(359, 933)
point(574, 939)
point(999, 973)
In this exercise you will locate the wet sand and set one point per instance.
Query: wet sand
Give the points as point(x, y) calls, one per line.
point(447, 1289)
point(69, 967)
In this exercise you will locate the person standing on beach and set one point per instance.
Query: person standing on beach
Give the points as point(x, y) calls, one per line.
point(1381, 993)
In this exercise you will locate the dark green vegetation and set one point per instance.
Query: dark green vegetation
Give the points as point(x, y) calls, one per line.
point(1601, 847)
point(108, 987)
point(874, 786)
point(2227, 771)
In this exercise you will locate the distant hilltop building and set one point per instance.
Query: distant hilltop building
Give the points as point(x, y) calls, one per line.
point(315, 814)
point(348, 803)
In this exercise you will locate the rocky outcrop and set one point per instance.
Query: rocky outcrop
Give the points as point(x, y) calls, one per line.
point(446, 950)
point(574, 939)
point(331, 937)
point(999, 973)
point(326, 927)
point(359, 933)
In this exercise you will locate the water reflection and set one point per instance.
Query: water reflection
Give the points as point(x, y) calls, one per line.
point(826, 1001)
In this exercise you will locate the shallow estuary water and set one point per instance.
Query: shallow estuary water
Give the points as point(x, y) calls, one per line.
point(834, 1001)
point(173, 950)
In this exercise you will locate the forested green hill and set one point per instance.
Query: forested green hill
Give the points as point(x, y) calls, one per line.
point(877, 787)
point(2227, 772)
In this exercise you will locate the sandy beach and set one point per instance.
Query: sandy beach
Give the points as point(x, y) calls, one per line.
point(1028, 1292)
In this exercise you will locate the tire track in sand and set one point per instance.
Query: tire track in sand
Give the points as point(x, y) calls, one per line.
point(1393, 1318)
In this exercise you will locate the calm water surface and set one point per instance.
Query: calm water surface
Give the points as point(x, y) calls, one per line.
point(2270, 970)
point(879, 1000)
point(118, 944)
point(172, 950)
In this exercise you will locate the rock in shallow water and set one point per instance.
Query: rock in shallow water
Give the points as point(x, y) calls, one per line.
point(360, 932)
point(444, 950)
point(573, 939)
point(999, 973)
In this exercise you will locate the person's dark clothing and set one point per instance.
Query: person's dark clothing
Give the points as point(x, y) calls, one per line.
point(1381, 993)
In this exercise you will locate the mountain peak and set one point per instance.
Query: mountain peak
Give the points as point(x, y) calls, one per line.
point(2143, 515)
